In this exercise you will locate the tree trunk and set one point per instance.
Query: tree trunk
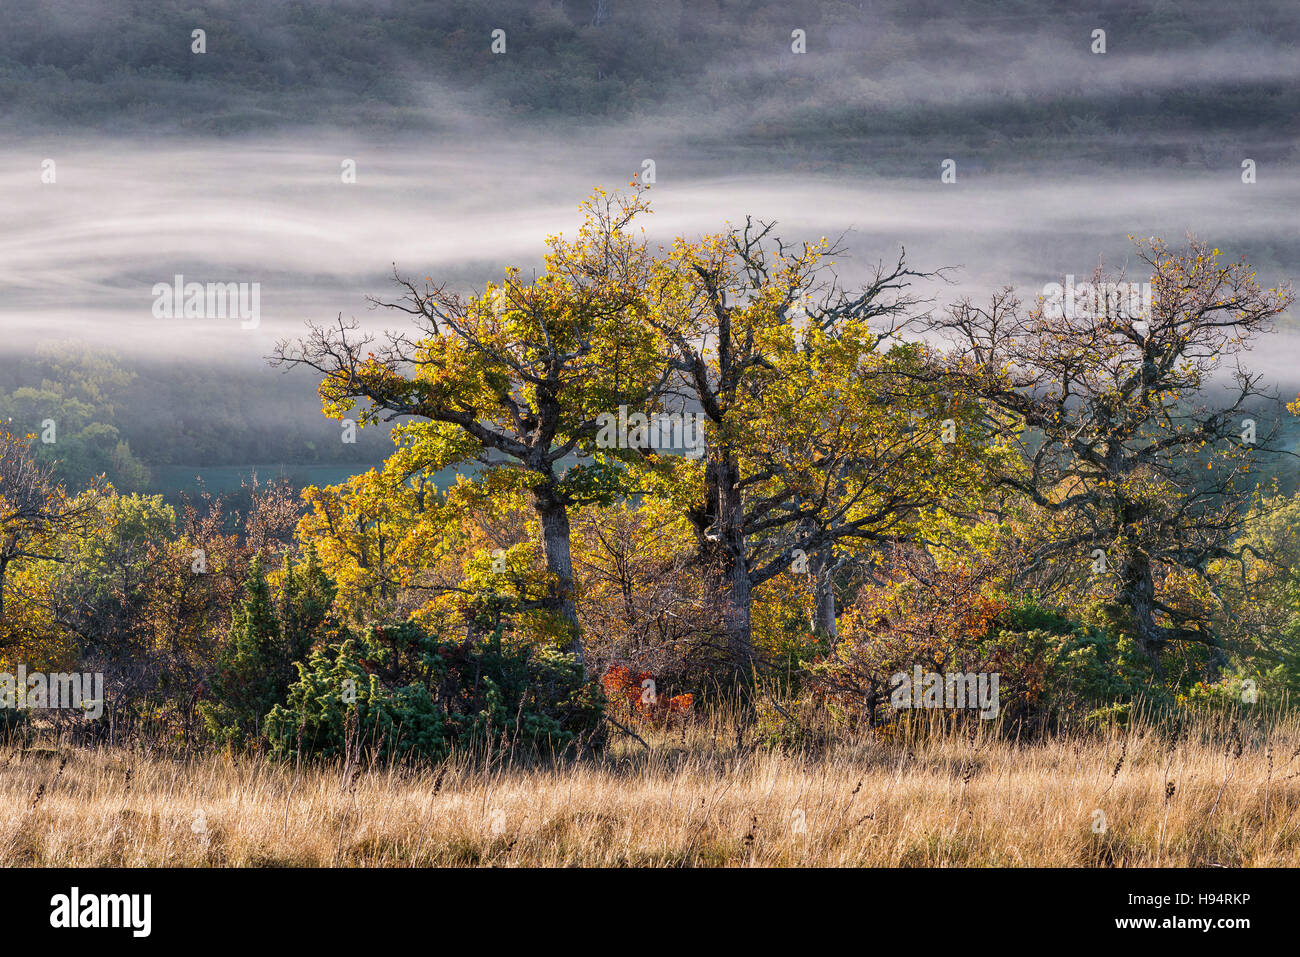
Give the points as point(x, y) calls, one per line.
point(554, 519)
point(1137, 588)
point(740, 645)
point(823, 613)
point(730, 524)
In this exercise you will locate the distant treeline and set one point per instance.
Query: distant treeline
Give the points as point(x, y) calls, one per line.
point(133, 418)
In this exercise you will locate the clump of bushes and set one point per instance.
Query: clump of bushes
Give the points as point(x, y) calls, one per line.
point(404, 690)
point(270, 630)
point(1053, 668)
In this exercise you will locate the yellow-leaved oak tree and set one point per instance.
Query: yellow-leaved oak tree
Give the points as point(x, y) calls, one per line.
point(507, 384)
point(358, 529)
point(1139, 430)
point(37, 517)
point(824, 432)
point(397, 545)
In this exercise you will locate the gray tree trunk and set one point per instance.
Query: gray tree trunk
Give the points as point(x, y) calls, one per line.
point(554, 519)
point(731, 542)
point(740, 645)
point(823, 612)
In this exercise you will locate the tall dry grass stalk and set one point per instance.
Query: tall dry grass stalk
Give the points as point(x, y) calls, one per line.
point(1218, 792)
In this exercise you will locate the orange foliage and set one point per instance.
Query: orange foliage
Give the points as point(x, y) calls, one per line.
point(644, 703)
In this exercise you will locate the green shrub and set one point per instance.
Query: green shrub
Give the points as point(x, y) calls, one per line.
point(1053, 667)
point(399, 690)
point(270, 631)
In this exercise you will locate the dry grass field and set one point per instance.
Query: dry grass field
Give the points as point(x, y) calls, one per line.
point(1209, 796)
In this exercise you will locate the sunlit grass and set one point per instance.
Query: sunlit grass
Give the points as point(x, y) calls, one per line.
point(929, 797)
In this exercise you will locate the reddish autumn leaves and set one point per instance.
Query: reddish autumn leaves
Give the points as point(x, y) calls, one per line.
point(644, 703)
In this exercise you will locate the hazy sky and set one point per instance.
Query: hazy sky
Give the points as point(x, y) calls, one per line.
point(1060, 152)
